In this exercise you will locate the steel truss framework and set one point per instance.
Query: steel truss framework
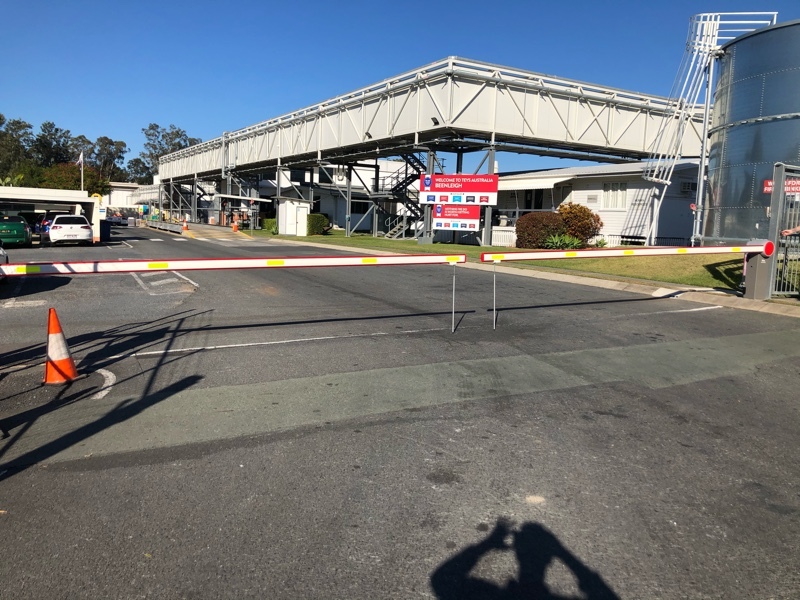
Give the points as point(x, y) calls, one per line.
point(454, 105)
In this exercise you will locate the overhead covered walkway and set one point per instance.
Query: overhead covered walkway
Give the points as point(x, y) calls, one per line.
point(453, 105)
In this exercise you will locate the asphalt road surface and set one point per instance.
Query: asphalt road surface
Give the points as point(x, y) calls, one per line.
point(321, 433)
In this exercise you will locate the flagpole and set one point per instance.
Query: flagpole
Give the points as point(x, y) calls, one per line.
point(80, 162)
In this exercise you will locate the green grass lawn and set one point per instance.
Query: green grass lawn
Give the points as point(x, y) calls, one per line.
point(696, 270)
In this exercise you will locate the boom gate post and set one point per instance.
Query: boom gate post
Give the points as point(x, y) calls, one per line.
point(759, 267)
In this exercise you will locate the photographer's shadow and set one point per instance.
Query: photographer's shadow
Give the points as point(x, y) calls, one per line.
point(536, 548)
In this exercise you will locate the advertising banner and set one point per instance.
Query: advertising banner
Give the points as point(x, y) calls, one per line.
point(456, 217)
point(455, 189)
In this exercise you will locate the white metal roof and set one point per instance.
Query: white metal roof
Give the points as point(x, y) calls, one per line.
point(532, 182)
point(537, 180)
point(42, 194)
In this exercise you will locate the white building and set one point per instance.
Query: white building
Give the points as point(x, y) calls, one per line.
point(618, 193)
point(121, 195)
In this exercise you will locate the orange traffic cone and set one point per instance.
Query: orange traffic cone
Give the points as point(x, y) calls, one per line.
point(59, 366)
point(185, 224)
point(235, 226)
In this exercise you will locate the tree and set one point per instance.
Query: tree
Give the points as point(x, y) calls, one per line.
point(109, 157)
point(159, 142)
point(52, 145)
point(67, 176)
point(138, 172)
point(9, 181)
point(16, 138)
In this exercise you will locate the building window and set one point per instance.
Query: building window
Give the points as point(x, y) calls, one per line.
point(359, 208)
point(615, 195)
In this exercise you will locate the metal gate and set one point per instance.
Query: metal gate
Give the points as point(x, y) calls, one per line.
point(785, 205)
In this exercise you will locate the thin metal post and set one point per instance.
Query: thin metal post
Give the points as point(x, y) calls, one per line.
point(494, 295)
point(453, 321)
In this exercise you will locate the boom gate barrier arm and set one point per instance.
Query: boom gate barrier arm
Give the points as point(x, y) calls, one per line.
point(765, 248)
point(212, 264)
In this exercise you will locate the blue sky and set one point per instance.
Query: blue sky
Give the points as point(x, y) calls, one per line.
point(110, 68)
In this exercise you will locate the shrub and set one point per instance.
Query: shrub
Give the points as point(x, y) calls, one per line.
point(270, 226)
point(600, 242)
point(563, 241)
point(580, 221)
point(317, 224)
point(534, 228)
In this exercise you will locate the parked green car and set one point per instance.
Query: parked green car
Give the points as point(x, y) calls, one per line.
point(15, 230)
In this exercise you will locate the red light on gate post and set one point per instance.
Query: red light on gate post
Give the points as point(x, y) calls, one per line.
point(767, 247)
point(693, 206)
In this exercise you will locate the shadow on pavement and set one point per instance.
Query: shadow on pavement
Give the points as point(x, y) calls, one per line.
point(536, 549)
point(11, 288)
point(128, 409)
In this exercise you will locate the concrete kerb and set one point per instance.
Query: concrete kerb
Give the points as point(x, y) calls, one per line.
point(656, 290)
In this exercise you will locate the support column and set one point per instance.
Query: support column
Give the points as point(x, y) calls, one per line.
point(194, 199)
point(487, 220)
point(427, 233)
point(278, 207)
point(697, 226)
point(349, 200)
point(376, 186)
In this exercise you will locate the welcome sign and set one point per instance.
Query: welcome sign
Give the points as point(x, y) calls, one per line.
point(458, 189)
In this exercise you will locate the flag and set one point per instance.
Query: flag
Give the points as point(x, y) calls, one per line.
point(80, 159)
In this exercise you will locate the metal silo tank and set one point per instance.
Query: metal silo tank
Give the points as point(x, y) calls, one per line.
point(756, 123)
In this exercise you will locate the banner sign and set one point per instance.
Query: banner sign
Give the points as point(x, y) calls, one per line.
point(454, 189)
point(790, 186)
point(456, 216)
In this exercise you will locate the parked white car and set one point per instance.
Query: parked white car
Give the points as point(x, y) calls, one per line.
point(70, 228)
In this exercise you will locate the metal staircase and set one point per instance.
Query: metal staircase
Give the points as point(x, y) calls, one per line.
point(398, 188)
point(707, 32)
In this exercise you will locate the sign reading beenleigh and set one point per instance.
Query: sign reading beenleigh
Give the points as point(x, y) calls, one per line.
point(455, 189)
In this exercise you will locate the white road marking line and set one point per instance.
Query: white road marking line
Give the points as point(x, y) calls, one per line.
point(684, 310)
point(163, 281)
point(201, 239)
point(5, 370)
point(109, 379)
point(179, 240)
point(140, 282)
point(14, 303)
point(150, 274)
point(126, 243)
point(274, 343)
point(186, 278)
point(156, 240)
point(168, 293)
